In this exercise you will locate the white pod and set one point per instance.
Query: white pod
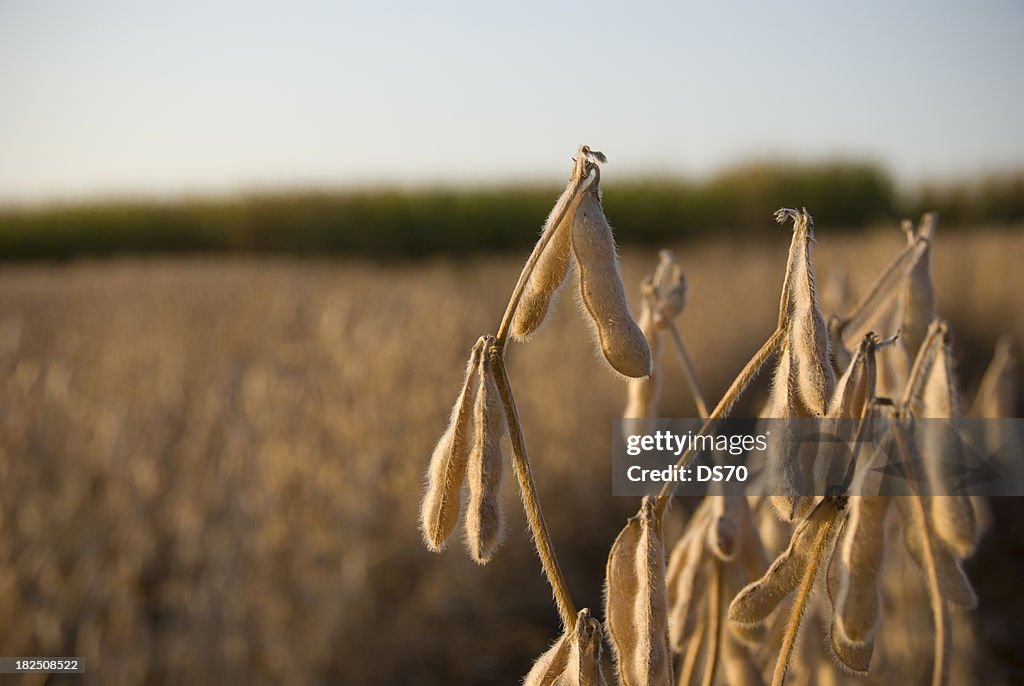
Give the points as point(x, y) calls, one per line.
point(549, 272)
point(602, 294)
point(484, 518)
point(440, 510)
point(636, 605)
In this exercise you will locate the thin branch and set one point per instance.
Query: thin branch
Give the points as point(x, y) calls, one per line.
point(689, 370)
point(739, 385)
point(688, 668)
point(714, 623)
point(938, 604)
point(803, 594)
point(531, 502)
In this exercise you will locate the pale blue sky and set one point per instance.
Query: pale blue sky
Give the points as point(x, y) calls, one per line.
point(207, 97)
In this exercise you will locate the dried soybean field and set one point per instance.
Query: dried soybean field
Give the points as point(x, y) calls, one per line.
point(210, 468)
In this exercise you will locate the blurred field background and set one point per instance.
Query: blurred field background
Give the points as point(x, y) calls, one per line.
point(210, 466)
point(245, 249)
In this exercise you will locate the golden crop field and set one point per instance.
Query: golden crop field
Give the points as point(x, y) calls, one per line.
point(211, 468)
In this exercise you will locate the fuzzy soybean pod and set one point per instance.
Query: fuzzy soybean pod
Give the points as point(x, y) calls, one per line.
point(685, 580)
point(997, 399)
point(812, 373)
point(642, 393)
point(574, 660)
point(862, 550)
point(440, 510)
point(804, 381)
point(997, 395)
point(873, 310)
point(584, 665)
point(952, 582)
point(856, 387)
point(917, 293)
point(636, 605)
point(810, 538)
point(952, 515)
point(484, 518)
point(669, 285)
point(549, 272)
point(847, 411)
point(602, 295)
point(785, 472)
point(794, 570)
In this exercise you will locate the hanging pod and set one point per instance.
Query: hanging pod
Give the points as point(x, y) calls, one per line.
point(484, 517)
point(636, 606)
point(447, 471)
point(601, 293)
point(574, 660)
point(555, 255)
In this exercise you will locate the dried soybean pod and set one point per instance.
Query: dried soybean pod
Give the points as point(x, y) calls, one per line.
point(804, 381)
point(440, 510)
point(878, 301)
point(684, 581)
point(809, 345)
point(584, 664)
point(784, 473)
point(670, 285)
point(636, 606)
point(724, 533)
point(917, 295)
point(574, 660)
point(856, 387)
point(602, 294)
point(997, 399)
point(939, 398)
point(863, 551)
point(749, 564)
point(755, 602)
point(551, 665)
point(484, 519)
point(953, 584)
point(952, 515)
point(997, 395)
point(854, 658)
point(549, 272)
point(642, 393)
point(737, 575)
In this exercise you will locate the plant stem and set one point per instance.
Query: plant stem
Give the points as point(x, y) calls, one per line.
point(688, 668)
point(735, 390)
point(942, 628)
point(938, 604)
point(714, 623)
point(689, 371)
point(531, 502)
point(796, 615)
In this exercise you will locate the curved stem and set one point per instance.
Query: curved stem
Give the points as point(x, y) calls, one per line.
point(803, 594)
point(724, 406)
point(938, 604)
point(942, 627)
point(714, 623)
point(688, 667)
point(689, 371)
point(531, 502)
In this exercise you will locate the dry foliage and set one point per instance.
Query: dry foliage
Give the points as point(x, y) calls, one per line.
point(731, 616)
point(210, 472)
